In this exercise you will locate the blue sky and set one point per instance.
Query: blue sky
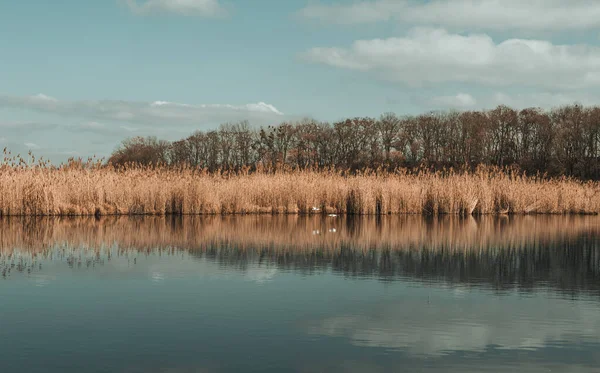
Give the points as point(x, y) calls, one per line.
point(78, 76)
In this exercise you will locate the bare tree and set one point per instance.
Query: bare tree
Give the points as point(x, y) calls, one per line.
point(389, 128)
point(141, 150)
point(565, 140)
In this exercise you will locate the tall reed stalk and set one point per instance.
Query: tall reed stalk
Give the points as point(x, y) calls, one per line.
point(39, 189)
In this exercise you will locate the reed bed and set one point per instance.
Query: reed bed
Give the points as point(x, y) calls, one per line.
point(80, 190)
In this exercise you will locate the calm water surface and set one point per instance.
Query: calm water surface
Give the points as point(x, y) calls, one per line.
point(300, 294)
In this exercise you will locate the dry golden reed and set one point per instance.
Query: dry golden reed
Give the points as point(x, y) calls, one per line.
point(77, 189)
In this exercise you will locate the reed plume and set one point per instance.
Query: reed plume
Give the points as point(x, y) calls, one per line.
point(36, 188)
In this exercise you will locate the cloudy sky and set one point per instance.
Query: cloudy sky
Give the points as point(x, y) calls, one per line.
point(78, 76)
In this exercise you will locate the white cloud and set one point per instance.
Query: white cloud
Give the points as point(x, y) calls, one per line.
point(537, 15)
point(43, 97)
point(92, 125)
point(428, 55)
point(129, 129)
point(543, 100)
point(31, 145)
point(201, 8)
point(459, 101)
point(25, 127)
point(146, 114)
point(263, 107)
point(101, 129)
point(259, 107)
point(96, 127)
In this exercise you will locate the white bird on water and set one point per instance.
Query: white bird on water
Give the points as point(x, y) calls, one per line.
point(315, 209)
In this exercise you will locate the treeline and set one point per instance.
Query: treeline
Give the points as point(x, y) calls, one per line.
point(563, 141)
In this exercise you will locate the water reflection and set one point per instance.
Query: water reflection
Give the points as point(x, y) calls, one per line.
point(295, 232)
point(304, 294)
point(459, 324)
point(558, 252)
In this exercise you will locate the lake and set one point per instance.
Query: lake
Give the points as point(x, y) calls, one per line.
point(300, 294)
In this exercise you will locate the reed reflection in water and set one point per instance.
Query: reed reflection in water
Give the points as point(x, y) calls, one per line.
point(561, 252)
point(303, 294)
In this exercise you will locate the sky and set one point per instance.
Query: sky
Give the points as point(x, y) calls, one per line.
point(77, 77)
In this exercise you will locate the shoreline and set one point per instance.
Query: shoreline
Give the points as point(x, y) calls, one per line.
point(299, 214)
